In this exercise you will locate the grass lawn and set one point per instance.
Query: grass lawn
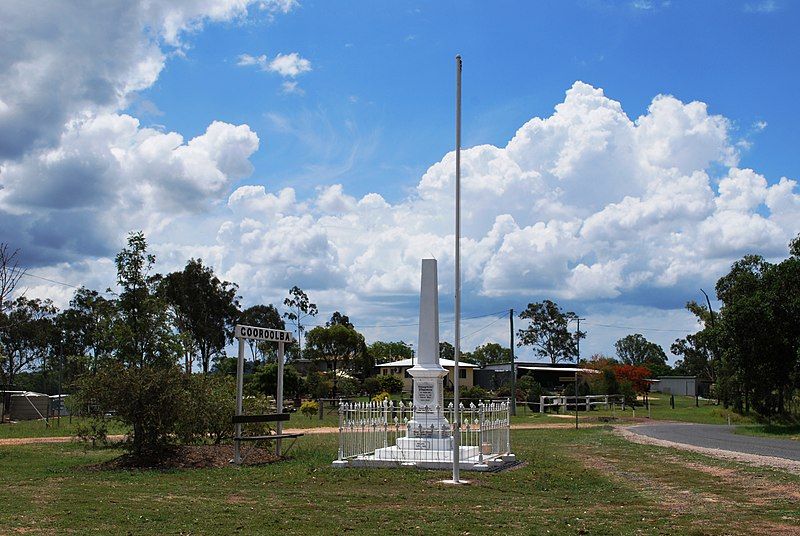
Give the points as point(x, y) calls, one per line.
point(783, 431)
point(685, 411)
point(575, 482)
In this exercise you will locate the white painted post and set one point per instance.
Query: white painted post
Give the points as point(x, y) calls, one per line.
point(279, 399)
point(237, 446)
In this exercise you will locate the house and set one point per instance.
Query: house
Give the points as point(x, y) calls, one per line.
point(400, 369)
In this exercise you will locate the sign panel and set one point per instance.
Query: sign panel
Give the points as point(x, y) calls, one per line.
point(566, 379)
point(262, 334)
point(424, 393)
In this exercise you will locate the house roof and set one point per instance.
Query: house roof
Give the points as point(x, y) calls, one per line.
point(443, 362)
point(561, 369)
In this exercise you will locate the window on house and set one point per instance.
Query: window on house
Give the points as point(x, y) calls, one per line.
point(462, 373)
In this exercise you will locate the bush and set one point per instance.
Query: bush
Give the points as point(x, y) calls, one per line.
point(535, 392)
point(628, 393)
point(309, 408)
point(474, 393)
point(504, 391)
point(210, 404)
point(151, 400)
point(94, 429)
point(348, 387)
point(317, 386)
point(380, 397)
point(265, 381)
point(372, 386)
point(524, 384)
point(391, 383)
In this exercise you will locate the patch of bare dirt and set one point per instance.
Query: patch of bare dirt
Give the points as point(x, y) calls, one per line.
point(11, 441)
point(189, 457)
point(671, 499)
point(760, 490)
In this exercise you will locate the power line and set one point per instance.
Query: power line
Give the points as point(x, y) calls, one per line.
point(29, 274)
point(636, 328)
point(498, 319)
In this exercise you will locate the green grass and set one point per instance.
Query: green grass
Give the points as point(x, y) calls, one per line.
point(784, 431)
point(685, 411)
point(575, 482)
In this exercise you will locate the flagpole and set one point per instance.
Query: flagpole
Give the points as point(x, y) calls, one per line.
point(456, 401)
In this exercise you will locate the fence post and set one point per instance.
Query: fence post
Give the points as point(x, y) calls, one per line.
point(508, 427)
point(541, 404)
point(320, 409)
point(481, 419)
point(341, 432)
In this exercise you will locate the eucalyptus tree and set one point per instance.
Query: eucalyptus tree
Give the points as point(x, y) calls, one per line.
point(265, 316)
point(338, 346)
point(26, 337)
point(548, 331)
point(205, 310)
point(300, 308)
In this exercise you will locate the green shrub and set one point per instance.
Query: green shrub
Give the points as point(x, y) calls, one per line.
point(348, 387)
point(391, 383)
point(94, 429)
point(524, 384)
point(372, 386)
point(265, 381)
point(504, 391)
point(380, 397)
point(309, 408)
point(628, 393)
point(317, 386)
point(211, 403)
point(535, 392)
point(151, 400)
point(474, 393)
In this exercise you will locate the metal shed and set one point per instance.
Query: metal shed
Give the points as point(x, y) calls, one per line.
point(676, 385)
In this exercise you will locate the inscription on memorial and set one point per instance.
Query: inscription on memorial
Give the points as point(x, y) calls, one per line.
point(424, 392)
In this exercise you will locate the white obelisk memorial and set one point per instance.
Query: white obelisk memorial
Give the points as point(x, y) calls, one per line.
point(428, 430)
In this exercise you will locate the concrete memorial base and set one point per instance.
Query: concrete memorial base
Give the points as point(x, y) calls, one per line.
point(395, 457)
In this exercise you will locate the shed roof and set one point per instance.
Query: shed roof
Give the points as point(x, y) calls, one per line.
point(561, 369)
point(442, 362)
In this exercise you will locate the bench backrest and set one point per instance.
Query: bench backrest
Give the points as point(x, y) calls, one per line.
point(269, 417)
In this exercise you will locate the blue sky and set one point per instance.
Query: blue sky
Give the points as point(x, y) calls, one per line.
point(618, 155)
point(395, 61)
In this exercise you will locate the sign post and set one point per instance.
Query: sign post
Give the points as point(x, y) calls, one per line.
point(258, 334)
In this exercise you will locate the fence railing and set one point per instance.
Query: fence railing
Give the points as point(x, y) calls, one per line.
point(584, 401)
point(371, 429)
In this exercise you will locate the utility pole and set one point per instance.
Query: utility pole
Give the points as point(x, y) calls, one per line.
point(513, 363)
point(456, 412)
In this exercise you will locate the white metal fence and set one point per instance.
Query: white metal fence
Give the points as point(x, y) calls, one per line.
point(370, 429)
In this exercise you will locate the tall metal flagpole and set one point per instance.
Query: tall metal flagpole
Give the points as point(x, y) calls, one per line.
point(456, 401)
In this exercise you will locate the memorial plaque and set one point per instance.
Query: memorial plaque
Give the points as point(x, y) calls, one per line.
point(425, 392)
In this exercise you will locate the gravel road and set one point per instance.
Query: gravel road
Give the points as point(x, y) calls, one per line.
point(720, 437)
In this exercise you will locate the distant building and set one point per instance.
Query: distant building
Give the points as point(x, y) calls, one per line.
point(681, 385)
point(400, 369)
point(547, 375)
